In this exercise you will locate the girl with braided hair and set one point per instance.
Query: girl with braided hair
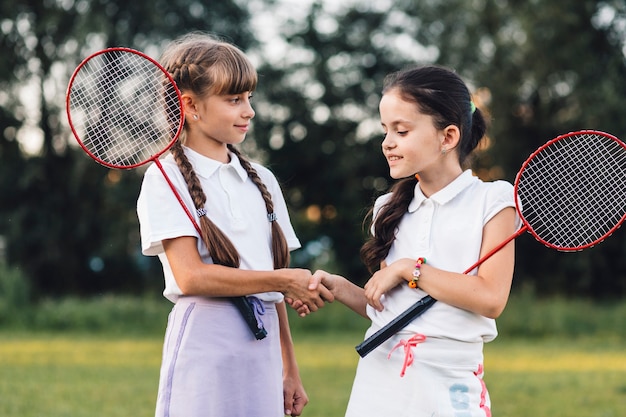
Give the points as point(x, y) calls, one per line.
point(212, 364)
point(436, 221)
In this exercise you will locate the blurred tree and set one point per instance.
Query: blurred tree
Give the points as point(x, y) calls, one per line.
point(69, 223)
point(540, 68)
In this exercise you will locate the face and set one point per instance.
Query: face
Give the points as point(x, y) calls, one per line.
point(412, 144)
point(222, 119)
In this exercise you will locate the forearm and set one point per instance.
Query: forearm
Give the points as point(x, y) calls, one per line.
point(194, 277)
point(221, 281)
point(295, 398)
point(290, 365)
point(485, 293)
point(350, 295)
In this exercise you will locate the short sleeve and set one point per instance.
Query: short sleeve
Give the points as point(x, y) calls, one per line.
point(159, 211)
point(500, 196)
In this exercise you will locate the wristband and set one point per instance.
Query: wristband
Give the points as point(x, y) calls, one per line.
point(417, 272)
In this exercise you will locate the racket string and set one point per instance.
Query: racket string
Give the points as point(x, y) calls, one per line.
point(571, 192)
point(121, 108)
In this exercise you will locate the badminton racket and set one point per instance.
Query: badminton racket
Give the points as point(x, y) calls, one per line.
point(569, 195)
point(125, 110)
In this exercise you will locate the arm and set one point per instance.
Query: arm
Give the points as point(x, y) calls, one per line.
point(346, 292)
point(485, 293)
point(195, 277)
point(295, 397)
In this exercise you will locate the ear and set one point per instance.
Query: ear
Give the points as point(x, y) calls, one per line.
point(451, 137)
point(189, 104)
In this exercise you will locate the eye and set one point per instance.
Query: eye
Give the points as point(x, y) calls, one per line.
point(403, 133)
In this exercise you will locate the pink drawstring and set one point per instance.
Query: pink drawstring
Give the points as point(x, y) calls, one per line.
point(408, 352)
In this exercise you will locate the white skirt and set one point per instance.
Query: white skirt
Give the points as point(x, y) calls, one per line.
point(214, 367)
point(444, 379)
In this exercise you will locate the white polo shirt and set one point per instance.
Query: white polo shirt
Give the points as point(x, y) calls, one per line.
point(447, 230)
point(234, 204)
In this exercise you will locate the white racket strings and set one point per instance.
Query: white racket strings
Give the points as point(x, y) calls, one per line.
point(572, 192)
point(121, 108)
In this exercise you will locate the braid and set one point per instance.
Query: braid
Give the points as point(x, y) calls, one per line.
point(280, 249)
point(376, 248)
point(220, 248)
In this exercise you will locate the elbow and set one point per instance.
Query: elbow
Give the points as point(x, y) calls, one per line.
point(493, 313)
point(185, 286)
point(186, 282)
point(493, 309)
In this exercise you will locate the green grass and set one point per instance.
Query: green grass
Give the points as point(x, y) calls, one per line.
point(101, 357)
point(72, 375)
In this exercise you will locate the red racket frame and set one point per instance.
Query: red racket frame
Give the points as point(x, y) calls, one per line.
point(426, 302)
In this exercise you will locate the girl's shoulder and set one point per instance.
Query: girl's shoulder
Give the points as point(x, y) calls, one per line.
point(492, 193)
point(496, 187)
point(266, 174)
point(382, 199)
point(167, 163)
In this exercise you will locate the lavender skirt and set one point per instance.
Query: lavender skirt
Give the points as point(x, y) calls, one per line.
point(214, 367)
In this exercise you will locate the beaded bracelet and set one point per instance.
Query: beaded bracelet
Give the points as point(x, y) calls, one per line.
point(417, 272)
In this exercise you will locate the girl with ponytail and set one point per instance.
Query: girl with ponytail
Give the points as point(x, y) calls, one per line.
point(212, 364)
point(437, 220)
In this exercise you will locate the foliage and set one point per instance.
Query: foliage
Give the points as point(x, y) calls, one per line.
point(70, 224)
point(526, 316)
point(14, 294)
point(539, 68)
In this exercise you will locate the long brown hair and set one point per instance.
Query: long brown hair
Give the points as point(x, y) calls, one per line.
point(442, 94)
point(204, 65)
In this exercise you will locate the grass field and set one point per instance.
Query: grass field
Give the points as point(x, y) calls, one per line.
point(65, 375)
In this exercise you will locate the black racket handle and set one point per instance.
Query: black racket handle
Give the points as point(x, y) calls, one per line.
point(247, 312)
point(394, 326)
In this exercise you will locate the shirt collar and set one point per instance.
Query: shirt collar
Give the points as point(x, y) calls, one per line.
point(205, 167)
point(445, 194)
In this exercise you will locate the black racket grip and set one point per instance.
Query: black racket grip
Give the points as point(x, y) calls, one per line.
point(394, 326)
point(247, 312)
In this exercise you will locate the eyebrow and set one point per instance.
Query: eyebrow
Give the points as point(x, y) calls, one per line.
point(397, 122)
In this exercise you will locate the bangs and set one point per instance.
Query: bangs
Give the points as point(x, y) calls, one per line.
point(233, 73)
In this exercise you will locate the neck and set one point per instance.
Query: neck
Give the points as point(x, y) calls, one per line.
point(430, 182)
point(211, 149)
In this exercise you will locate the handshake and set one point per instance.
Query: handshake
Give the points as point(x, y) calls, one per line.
point(308, 292)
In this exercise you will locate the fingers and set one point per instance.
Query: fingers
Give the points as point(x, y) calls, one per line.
point(316, 280)
point(309, 296)
point(326, 294)
point(300, 399)
point(299, 306)
point(373, 294)
point(294, 399)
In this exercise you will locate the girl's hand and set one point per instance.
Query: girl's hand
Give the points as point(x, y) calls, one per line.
point(318, 279)
point(301, 294)
point(385, 279)
point(294, 396)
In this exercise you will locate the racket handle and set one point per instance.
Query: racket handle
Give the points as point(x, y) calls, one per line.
point(247, 312)
point(395, 325)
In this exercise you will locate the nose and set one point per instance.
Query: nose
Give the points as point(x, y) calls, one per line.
point(387, 143)
point(248, 112)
